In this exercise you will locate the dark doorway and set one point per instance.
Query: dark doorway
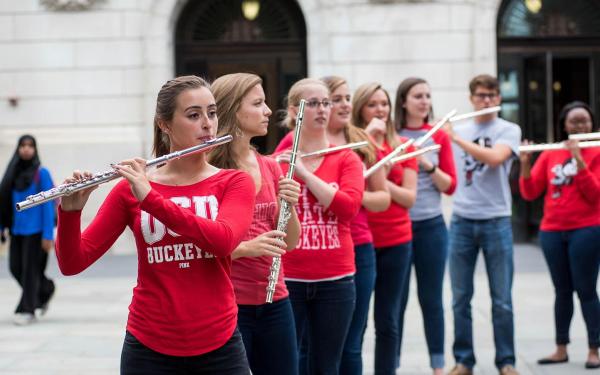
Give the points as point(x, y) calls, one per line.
point(547, 56)
point(216, 37)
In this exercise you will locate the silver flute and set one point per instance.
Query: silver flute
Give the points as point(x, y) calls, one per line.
point(415, 154)
point(285, 212)
point(585, 136)
point(109, 175)
point(555, 146)
point(325, 151)
point(402, 148)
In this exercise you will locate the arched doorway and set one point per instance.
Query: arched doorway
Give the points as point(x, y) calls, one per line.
point(548, 55)
point(265, 37)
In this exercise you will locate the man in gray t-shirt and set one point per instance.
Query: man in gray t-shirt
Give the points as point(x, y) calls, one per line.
point(483, 152)
point(482, 190)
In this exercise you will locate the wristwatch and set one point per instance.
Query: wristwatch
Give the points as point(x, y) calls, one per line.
point(430, 171)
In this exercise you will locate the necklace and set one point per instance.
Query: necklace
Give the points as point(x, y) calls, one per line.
point(313, 162)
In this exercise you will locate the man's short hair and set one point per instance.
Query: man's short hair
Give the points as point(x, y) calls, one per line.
point(486, 81)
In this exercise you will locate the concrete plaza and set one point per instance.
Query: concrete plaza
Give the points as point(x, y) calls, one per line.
point(83, 330)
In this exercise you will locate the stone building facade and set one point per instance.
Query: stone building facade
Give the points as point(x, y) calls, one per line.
point(84, 81)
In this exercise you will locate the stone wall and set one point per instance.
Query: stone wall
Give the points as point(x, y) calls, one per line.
point(85, 82)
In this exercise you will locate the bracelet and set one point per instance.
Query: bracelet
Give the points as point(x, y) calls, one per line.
point(432, 169)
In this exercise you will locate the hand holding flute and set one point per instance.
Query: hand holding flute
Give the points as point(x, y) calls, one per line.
point(134, 170)
point(573, 145)
point(271, 243)
point(77, 200)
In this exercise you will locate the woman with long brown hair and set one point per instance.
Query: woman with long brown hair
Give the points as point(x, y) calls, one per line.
point(268, 330)
point(391, 228)
point(437, 175)
point(187, 217)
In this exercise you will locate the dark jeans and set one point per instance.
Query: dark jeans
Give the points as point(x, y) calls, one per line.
point(430, 250)
point(364, 280)
point(573, 258)
point(494, 238)
point(269, 335)
point(322, 311)
point(27, 264)
point(393, 264)
point(138, 359)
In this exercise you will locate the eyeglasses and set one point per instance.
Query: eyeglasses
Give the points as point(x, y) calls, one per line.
point(313, 103)
point(483, 96)
point(579, 122)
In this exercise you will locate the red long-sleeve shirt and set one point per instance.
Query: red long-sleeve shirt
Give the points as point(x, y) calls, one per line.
point(325, 250)
point(183, 303)
point(572, 197)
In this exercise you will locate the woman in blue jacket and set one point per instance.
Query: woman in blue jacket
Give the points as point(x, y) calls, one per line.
point(31, 231)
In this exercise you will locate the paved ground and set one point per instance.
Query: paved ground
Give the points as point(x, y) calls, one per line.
point(83, 331)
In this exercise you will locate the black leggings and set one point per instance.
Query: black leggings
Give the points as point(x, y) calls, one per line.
point(230, 359)
point(27, 264)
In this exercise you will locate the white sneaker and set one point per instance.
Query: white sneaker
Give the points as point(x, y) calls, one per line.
point(23, 319)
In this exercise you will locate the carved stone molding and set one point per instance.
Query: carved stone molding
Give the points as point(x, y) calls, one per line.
point(400, 1)
point(69, 5)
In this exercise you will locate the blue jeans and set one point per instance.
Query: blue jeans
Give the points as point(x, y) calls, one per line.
point(229, 359)
point(430, 250)
point(364, 280)
point(494, 238)
point(393, 264)
point(322, 311)
point(573, 259)
point(269, 336)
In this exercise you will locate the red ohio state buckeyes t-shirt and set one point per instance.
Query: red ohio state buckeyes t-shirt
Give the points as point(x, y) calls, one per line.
point(325, 250)
point(183, 303)
point(572, 197)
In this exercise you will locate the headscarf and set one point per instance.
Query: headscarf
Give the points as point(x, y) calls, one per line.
point(19, 175)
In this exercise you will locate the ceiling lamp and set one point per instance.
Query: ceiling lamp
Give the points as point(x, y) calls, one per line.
point(250, 9)
point(534, 6)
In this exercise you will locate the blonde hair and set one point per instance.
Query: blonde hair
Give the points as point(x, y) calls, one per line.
point(166, 103)
point(229, 91)
point(361, 97)
point(296, 93)
point(352, 133)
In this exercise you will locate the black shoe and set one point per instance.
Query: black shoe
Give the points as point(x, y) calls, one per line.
point(43, 309)
point(592, 365)
point(552, 361)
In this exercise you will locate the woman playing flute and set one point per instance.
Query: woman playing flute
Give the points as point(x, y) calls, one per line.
point(268, 330)
point(320, 272)
point(187, 217)
point(437, 175)
point(376, 198)
point(570, 229)
point(391, 228)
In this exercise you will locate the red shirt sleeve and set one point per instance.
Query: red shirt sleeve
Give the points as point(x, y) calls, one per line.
point(587, 182)
point(285, 143)
point(223, 234)
point(347, 200)
point(76, 251)
point(410, 163)
point(535, 185)
point(446, 161)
